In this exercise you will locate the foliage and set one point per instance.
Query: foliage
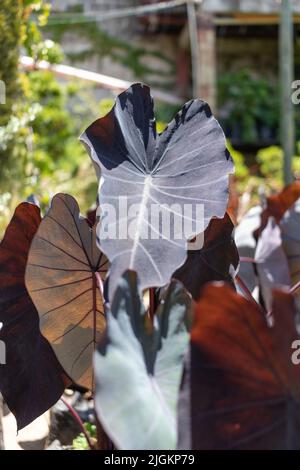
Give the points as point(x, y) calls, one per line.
point(139, 366)
point(248, 104)
point(259, 237)
point(9, 52)
point(240, 389)
point(270, 161)
point(10, 22)
point(241, 169)
point(265, 175)
point(32, 380)
point(163, 112)
point(80, 442)
point(236, 385)
point(217, 260)
point(75, 322)
point(127, 136)
point(39, 137)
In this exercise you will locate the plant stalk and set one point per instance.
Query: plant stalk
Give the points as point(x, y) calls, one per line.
point(295, 288)
point(79, 421)
point(243, 286)
point(152, 302)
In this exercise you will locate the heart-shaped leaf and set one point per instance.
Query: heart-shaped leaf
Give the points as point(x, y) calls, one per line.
point(61, 279)
point(241, 389)
point(31, 379)
point(218, 260)
point(138, 368)
point(158, 176)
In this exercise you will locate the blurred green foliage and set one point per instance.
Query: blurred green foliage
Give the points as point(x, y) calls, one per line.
point(10, 25)
point(270, 161)
point(80, 442)
point(264, 175)
point(40, 123)
point(39, 148)
point(241, 169)
point(249, 106)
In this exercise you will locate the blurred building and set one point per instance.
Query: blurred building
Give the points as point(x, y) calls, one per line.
point(232, 36)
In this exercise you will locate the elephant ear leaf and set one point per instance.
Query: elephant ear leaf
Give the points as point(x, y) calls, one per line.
point(241, 388)
point(31, 378)
point(61, 278)
point(139, 366)
point(159, 175)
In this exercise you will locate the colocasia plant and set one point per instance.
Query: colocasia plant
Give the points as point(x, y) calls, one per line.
point(125, 302)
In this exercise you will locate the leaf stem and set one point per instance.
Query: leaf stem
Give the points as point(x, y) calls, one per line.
point(295, 288)
point(243, 286)
point(152, 303)
point(246, 259)
point(79, 421)
point(100, 283)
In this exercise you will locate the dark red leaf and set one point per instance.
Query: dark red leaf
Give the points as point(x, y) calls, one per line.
point(32, 380)
point(278, 204)
point(61, 277)
point(216, 261)
point(241, 389)
point(92, 216)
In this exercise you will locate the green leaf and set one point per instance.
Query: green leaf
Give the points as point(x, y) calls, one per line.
point(139, 366)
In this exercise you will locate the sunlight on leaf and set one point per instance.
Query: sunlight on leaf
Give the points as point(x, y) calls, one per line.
point(139, 365)
point(61, 280)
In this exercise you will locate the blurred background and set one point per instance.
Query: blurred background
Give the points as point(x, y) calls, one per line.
point(63, 61)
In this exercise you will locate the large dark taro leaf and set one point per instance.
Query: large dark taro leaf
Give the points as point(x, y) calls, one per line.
point(240, 389)
point(218, 260)
point(139, 366)
point(32, 380)
point(61, 279)
point(187, 164)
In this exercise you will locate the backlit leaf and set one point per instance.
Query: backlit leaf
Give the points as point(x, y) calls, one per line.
point(31, 379)
point(61, 279)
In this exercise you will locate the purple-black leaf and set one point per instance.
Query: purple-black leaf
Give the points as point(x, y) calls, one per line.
point(188, 164)
point(218, 260)
point(31, 380)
